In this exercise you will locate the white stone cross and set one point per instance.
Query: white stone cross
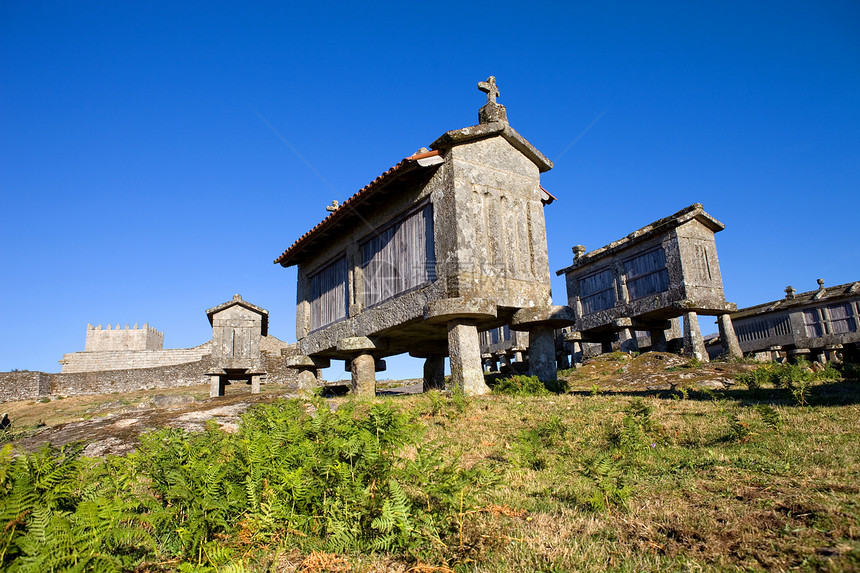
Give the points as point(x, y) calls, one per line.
point(489, 88)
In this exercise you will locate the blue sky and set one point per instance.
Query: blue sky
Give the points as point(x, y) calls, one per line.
point(140, 184)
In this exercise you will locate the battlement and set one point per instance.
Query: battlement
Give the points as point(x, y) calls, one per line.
point(107, 339)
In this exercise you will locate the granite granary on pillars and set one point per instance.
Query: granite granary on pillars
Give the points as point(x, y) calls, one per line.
point(648, 279)
point(821, 325)
point(447, 242)
point(237, 328)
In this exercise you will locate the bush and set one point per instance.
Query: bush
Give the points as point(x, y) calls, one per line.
point(330, 479)
point(519, 385)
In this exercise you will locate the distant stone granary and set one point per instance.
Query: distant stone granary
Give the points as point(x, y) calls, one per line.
point(237, 329)
point(445, 243)
point(820, 324)
point(648, 279)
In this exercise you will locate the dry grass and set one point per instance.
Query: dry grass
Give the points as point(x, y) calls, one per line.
point(700, 495)
point(776, 499)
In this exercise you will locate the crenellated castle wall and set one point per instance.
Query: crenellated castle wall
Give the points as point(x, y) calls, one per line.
point(117, 339)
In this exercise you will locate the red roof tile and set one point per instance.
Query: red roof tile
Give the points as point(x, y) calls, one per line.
point(404, 166)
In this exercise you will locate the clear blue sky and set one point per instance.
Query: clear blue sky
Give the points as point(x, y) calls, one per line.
point(139, 183)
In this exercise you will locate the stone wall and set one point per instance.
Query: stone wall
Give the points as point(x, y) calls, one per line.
point(24, 385)
point(194, 370)
point(132, 359)
point(129, 380)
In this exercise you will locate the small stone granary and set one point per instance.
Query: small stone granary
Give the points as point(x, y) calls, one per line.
point(821, 324)
point(648, 279)
point(447, 242)
point(237, 328)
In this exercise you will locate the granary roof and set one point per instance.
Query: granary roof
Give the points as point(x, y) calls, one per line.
point(237, 300)
point(800, 299)
point(408, 170)
point(485, 130)
point(694, 211)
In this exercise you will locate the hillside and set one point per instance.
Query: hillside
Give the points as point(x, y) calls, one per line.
point(652, 463)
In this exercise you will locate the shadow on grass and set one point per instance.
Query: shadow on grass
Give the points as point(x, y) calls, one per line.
point(839, 393)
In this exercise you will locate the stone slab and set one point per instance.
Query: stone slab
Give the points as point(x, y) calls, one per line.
point(444, 310)
point(550, 316)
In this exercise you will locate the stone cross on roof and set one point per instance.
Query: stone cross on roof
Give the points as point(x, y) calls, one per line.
point(492, 111)
point(489, 88)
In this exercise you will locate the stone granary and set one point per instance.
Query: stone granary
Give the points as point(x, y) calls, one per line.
point(820, 324)
point(503, 349)
point(237, 328)
point(648, 279)
point(447, 242)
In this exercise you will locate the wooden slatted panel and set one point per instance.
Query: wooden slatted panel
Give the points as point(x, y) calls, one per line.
point(841, 319)
point(328, 292)
point(762, 328)
point(781, 326)
point(647, 274)
point(813, 326)
point(399, 258)
point(597, 291)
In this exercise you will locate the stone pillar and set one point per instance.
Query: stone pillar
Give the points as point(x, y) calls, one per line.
point(309, 373)
point(673, 334)
point(434, 372)
point(626, 341)
point(464, 350)
point(307, 380)
point(542, 354)
point(834, 353)
point(731, 346)
point(658, 340)
point(563, 358)
point(518, 356)
point(796, 354)
point(820, 356)
point(576, 355)
point(216, 385)
point(256, 379)
point(363, 375)
point(693, 344)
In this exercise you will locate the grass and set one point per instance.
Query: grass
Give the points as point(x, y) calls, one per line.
point(700, 492)
point(612, 476)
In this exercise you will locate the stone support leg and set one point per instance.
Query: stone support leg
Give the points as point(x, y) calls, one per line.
point(434, 372)
point(363, 375)
point(563, 357)
point(658, 340)
point(694, 345)
point(256, 379)
point(731, 346)
point(674, 336)
point(542, 354)
point(626, 341)
point(464, 350)
point(576, 354)
point(307, 380)
point(216, 385)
